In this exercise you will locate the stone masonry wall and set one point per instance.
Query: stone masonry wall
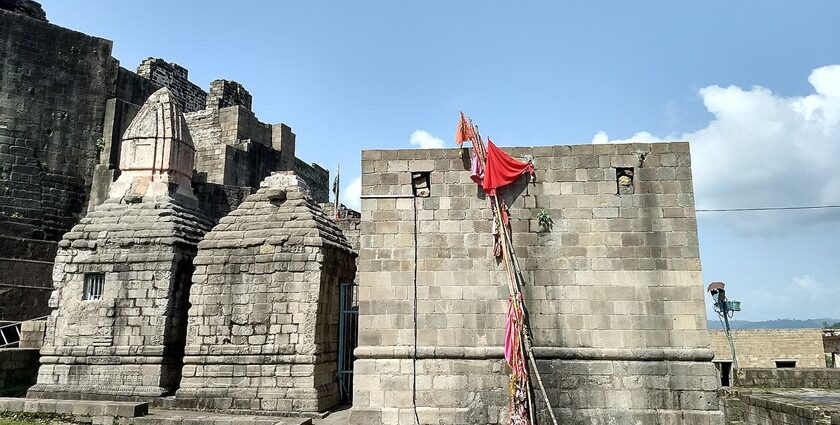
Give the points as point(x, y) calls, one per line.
point(234, 148)
point(53, 83)
point(825, 378)
point(349, 222)
point(317, 177)
point(224, 93)
point(760, 348)
point(614, 289)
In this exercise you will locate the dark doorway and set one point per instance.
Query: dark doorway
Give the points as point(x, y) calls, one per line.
point(175, 338)
point(725, 372)
point(783, 364)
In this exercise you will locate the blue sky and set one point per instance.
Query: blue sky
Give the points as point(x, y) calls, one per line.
point(749, 83)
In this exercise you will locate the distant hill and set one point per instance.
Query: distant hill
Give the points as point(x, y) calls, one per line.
point(774, 324)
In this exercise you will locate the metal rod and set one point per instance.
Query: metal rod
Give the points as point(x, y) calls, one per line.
point(387, 196)
point(729, 338)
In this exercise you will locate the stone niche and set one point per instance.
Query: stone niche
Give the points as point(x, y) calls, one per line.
point(614, 290)
point(122, 275)
point(264, 318)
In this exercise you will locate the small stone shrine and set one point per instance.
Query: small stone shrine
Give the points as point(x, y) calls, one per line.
point(264, 318)
point(122, 275)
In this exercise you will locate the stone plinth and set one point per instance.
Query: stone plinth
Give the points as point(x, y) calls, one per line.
point(264, 317)
point(130, 342)
point(614, 289)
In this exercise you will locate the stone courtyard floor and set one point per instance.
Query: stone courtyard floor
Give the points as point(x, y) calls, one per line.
point(339, 417)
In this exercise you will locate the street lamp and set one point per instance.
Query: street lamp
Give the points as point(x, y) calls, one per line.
point(725, 309)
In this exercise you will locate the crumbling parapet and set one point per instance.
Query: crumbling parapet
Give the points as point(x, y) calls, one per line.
point(264, 316)
point(224, 93)
point(189, 96)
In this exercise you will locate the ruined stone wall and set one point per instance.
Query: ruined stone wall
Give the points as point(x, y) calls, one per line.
point(224, 93)
point(175, 77)
point(761, 348)
point(817, 377)
point(53, 82)
point(317, 177)
point(234, 148)
point(614, 289)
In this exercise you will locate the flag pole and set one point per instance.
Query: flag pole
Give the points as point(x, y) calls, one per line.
point(511, 264)
point(337, 188)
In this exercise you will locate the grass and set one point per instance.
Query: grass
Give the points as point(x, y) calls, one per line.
point(17, 418)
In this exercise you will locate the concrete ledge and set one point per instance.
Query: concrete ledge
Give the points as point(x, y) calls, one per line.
point(563, 353)
point(75, 407)
point(95, 393)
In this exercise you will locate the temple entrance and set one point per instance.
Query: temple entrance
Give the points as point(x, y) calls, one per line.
point(348, 334)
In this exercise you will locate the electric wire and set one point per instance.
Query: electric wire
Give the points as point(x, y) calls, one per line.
point(791, 208)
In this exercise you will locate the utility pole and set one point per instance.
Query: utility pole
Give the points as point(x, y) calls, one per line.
point(725, 309)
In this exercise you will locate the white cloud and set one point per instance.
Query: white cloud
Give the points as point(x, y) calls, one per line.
point(425, 140)
point(351, 195)
point(761, 149)
point(803, 297)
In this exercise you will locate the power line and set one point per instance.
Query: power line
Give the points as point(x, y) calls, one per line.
point(799, 207)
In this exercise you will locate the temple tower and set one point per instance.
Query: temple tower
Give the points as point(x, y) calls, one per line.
point(122, 275)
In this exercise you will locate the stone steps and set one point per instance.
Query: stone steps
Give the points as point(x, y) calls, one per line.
point(136, 413)
point(96, 411)
point(188, 417)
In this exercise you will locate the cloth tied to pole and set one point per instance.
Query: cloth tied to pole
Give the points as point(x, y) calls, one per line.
point(502, 169)
point(464, 131)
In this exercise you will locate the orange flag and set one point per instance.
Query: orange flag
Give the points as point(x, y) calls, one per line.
point(464, 131)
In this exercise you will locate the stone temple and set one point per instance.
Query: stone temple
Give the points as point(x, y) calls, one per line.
point(122, 275)
point(262, 331)
point(185, 257)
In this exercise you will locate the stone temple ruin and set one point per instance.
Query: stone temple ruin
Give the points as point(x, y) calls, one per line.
point(262, 331)
point(122, 275)
point(186, 258)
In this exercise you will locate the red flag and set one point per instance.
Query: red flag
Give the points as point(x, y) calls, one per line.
point(464, 131)
point(501, 169)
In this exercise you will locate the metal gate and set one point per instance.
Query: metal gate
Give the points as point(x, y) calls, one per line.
point(348, 333)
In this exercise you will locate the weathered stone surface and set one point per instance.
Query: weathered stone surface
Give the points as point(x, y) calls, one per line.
point(157, 153)
point(614, 289)
point(53, 82)
point(263, 321)
point(235, 148)
point(189, 96)
point(28, 8)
